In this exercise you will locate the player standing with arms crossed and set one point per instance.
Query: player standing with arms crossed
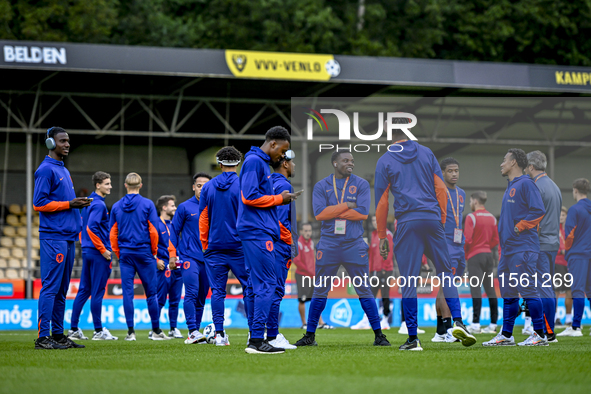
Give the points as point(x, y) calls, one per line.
point(578, 252)
point(454, 237)
point(411, 172)
point(341, 201)
point(521, 211)
point(134, 239)
point(549, 233)
point(170, 278)
point(222, 250)
point(481, 236)
point(185, 238)
point(59, 225)
point(258, 228)
point(96, 257)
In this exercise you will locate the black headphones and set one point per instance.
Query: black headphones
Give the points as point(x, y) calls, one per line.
point(49, 141)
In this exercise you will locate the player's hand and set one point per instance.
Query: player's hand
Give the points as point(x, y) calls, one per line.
point(107, 255)
point(351, 205)
point(160, 264)
point(384, 248)
point(172, 263)
point(80, 202)
point(288, 197)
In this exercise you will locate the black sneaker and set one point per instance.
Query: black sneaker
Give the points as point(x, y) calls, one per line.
point(48, 343)
point(413, 346)
point(309, 339)
point(68, 343)
point(381, 341)
point(262, 348)
point(551, 337)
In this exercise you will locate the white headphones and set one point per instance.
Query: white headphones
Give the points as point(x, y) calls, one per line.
point(49, 141)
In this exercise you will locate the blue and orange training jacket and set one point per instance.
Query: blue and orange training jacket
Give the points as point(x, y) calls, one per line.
point(218, 212)
point(257, 212)
point(95, 226)
point(54, 190)
point(522, 207)
point(578, 230)
point(411, 172)
point(458, 199)
point(286, 214)
point(166, 249)
point(330, 203)
point(134, 226)
point(185, 231)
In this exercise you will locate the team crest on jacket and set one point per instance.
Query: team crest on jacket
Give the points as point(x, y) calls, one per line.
point(319, 255)
point(269, 246)
point(288, 265)
point(461, 199)
point(352, 189)
point(59, 258)
point(512, 192)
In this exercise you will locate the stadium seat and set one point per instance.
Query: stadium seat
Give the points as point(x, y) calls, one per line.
point(35, 243)
point(14, 263)
point(15, 209)
point(23, 220)
point(18, 253)
point(20, 242)
point(21, 231)
point(13, 220)
point(1, 274)
point(11, 274)
point(9, 231)
point(6, 242)
point(3, 263)
point(4, 253)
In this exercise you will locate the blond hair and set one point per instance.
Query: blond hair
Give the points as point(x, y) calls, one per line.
point(133, 180)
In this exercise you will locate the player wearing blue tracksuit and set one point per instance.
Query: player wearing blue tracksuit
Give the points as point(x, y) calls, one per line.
point(522, 210)
point(578, 250)
point(222, 248)
point(96, 257)
point(412, 174)
point(258, 228)
point(286, 215)
point(341, 201)
point(170, 280)
point(59, 225)
point(134, 239)
point(185, 237)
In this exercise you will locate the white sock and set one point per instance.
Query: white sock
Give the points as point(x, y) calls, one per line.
point(569, 318)
point(527, 322)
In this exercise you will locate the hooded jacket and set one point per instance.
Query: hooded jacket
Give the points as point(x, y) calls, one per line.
point(578, 228)
point(218, 210)
point(185, 230)
point(134, 226)
point(411, 172)
point(522, 207)
point(257, 212)
point(54, 190)
point(95, 226)
point(329, 207)
point(286, 214)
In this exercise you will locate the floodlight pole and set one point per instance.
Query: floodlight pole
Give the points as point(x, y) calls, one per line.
point(551, 161)
point(29, 286)
point(305, 182)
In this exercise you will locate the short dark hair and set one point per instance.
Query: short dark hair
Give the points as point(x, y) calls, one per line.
point(305, 224)
point(99, 177)
point(479, 196)
point(52, 131)
point(447, 162)
point(336, 154)
point(228, 153)
point(397, 133)
point(201, 175)
point(278, 133)
point(162, 201)
point(519, 156)
point(278, 163)
point(582, 186)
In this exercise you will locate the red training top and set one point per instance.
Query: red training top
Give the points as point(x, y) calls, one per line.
point(305, 261)
point(560, 260)
point(376, 263)
point(481, 233)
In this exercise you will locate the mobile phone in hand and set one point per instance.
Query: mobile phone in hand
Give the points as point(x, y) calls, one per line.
point(298, 193)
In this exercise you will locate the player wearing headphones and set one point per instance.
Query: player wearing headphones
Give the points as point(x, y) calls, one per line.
point(59, 225)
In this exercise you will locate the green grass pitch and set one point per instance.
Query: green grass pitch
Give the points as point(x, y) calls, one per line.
point(344, 362)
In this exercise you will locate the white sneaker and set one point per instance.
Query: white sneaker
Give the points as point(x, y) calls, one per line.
point(403, 329)
point(103, 335)
point(282, 343)
point(449, 338)
point(529, 330)
point(362, 325)
point(175, 334)
point(78, 334)
point(474, 328)
point(160, 337)
point(438, 338)
point(534, 340)
point(571, 332)
point(491, 329)
point(130, 337)
point(150, 334)
point(500, 340)
point(195, 337)
point(222, 340)
point(384, 323)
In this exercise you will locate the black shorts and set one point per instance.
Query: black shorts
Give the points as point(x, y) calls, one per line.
point(305, 287)
point(560, 271)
